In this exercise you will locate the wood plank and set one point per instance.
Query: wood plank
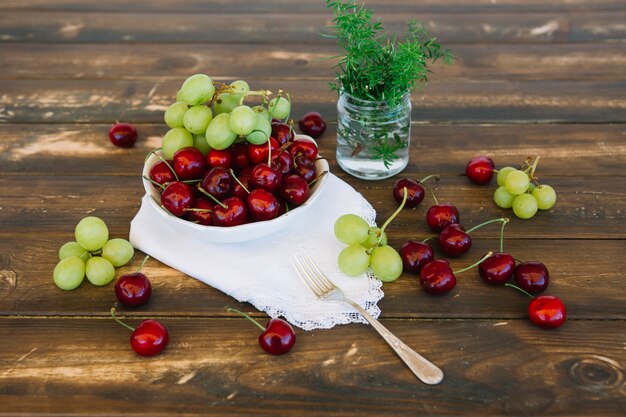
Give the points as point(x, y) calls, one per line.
point(512, 369)
point(594, 150)
point(143, 101)
point(298, 28)
point(296, 62)
point(580, 271)
point(272, 6)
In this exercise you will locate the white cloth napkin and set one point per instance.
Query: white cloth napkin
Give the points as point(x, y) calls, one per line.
point(260, 271)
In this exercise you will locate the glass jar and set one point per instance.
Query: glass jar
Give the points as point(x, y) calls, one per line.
point(372, 137)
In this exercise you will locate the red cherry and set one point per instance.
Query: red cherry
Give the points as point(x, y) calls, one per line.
point(436, 277)
point(149, 338)
point(303, 147)
point(262, 205)
point(480, 169)
point(123, 135)
point(161, 172)
point(415, 255)
point(497, 269)
point(305, 167)
point(294, 190)
point(220, 158)
point(282, 132)
point(133, 289)
point(454, 241)
point(231, 212)
point(201, 212)
point(278, 337)
point(442, 215)
point(532, 276)
point(189, 163)
point(266, 177)
point(218, 182)
point(285, 163)
point(239, 153)
point(547, 311)
point(312, 124)
point(258, 153)
point(241, 187)
point(415, 192)
point(177, 198)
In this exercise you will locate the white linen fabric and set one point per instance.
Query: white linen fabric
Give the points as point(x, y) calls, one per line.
point(260, 271)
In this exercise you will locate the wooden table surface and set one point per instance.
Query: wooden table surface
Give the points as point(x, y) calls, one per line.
point(531, 78)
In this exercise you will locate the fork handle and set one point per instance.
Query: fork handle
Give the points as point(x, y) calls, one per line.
point(419, 365)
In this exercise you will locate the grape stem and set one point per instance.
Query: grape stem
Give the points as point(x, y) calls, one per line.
point(487, 255)
point(533, 167)
point(132, 329)
point(231, 310)
point(211, 197)
point(519, 289)
point(478, 226)
point(393, 216)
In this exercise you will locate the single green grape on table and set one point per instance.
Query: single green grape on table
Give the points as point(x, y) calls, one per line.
point(99, 270)
point(73, 249)
point(118, 251)
point(69, 273)
point(91, 233)
point(545, 195)
point(525, 206)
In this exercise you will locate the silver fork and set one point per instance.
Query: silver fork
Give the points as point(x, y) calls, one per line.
point(324, 289)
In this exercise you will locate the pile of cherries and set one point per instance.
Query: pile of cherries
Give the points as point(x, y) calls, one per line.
point(495, 268)
point(240, 184)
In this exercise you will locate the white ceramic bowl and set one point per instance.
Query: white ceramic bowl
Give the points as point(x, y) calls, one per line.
point(241, 233)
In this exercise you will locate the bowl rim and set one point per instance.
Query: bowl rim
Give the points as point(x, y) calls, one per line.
point(258, 228)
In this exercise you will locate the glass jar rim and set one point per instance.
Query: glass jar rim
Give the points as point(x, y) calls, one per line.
point(355, 101)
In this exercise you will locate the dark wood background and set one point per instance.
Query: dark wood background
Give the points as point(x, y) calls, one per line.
point(531, 78)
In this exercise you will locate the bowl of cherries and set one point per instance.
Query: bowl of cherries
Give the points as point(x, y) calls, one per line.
point(239, 193)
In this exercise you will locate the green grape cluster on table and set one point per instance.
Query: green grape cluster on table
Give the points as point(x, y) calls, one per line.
point(209, 115)
point(520, 190)
point(92, 255)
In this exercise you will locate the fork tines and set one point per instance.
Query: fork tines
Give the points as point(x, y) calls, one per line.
point(310, 274)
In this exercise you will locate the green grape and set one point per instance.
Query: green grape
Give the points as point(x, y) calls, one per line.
point(502, 174)
point(226, 102)
point(517, 182)
point(279, 108)
point(69, 273)
point(175, 139)
point(242, 120)
point(118, 251)
point(197, 119)
point(503, 198)
point(545, 195)
point(351, 229)
point(197, 89)
point(353, 260)
point(91, 233)
point(262, 131)
point(531, 188)
point(99, 270)
point(525, 206)
point(219, 134)
point(240, 86)
point(260, 110)
point(386, 263)
point(174, 114)
point(373, 234)
point(73, 249)
point(200, 143)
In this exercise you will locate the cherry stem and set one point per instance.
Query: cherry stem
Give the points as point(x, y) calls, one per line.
point(237, 179)
point(316, 179)
point(230, 310)
point(153, 182)
point(269, 152)
point(428, 238)
point(519, 289)
point(431, 193)
point(132, 329)
point(212, 197)
point(143, 263)
point(154, 151)
point(487, 255)
point(393, 216)
point(168, 165)
point(426, 178)
point(506, 220)
point(478, 226)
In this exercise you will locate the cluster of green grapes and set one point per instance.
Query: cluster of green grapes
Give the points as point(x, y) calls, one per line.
point(519, 189)
point(208, 118)
point(92, 254)
point(367, 247)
